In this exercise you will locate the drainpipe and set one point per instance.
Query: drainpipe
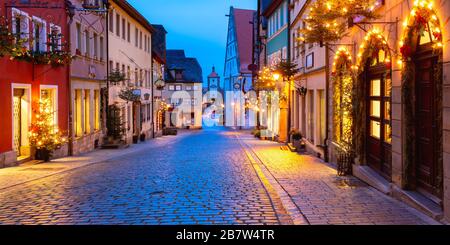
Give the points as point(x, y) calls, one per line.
point(107, 66)
point(152, 100)
point(327, 85)
point(69, 85)
point(289, 79)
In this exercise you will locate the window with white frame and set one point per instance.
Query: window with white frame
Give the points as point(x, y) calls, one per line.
point(87, 43)
point(20, 26)
point(79, 37)
point(39, 35)
point(95, 40)
point(50, 94)
point(55, 38)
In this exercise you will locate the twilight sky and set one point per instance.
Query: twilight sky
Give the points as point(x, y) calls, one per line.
point(197, 26)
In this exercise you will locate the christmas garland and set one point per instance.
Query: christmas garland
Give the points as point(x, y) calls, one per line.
point(422, 18)
point(342, 99)
point(11, 45)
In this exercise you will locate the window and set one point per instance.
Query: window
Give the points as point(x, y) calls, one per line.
point(178, 87)
point(39, 35)
point(195, 88)
point(55, 38)
point(87, 39)
point(136, 37)
point(79, 36)
point(97, 109)
point(310, 60)
point(129, 32)
point(140, 40)
point(171, 87)
point(20, 28)
point(145, 43)
point(50, 93)
point(102, 47)
point(123, 29)
point(87, 111)
point(95, 40)
point(188, 87)
point(111, 21)
point(136, 76)
point(118, 25)
point(78, 120)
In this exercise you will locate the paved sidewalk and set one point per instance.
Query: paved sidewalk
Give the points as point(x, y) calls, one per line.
point(10, 177)
point(323, 197)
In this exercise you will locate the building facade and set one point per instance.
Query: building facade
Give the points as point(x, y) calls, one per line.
point(275, 112)
point(237, 76)
point(130, 53)
point(183, 91)
point(159, 63)
point(26, 81)
point(308, 107)
point(396, 124)
point(87, 77)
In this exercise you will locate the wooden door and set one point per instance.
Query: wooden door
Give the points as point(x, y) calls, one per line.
point(426, 122)
point(378, 118)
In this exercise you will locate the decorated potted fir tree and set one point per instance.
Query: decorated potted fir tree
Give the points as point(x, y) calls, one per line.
point(45, 136)
point(297, 139)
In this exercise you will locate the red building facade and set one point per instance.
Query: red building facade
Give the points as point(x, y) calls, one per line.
point(43, 25)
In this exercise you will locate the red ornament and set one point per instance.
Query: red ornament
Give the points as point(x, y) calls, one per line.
point(437, 35)
point(406, 51)
point(388, 65)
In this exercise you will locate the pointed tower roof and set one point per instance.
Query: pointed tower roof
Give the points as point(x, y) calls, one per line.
point(213, 73)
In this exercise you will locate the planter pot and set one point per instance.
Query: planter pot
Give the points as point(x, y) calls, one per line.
point(135, 139)
point(43, 155)
point(142, 138)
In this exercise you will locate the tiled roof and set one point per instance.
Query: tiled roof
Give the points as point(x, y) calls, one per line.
point(159, 43)
point(244, 33)
point(177, 60)
point(213, 74)
point(134, 13)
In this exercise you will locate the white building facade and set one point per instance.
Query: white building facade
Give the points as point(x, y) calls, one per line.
point(130, 52)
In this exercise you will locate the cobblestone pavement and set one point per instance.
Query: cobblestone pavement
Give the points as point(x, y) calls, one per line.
point(205, 178)
point(212, 176)
point(324, 198)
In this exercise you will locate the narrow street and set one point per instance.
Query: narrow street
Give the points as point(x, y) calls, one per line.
point(206, 178)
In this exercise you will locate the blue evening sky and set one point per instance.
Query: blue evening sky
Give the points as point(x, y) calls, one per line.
point(197, 26)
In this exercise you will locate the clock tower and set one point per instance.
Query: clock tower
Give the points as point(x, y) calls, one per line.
point(213, 84)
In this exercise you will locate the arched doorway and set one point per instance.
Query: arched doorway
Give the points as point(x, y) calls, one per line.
point(421, 51)
point(373, 96)
point(342, 101)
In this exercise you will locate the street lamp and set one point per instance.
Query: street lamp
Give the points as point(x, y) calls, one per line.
point(276, 76)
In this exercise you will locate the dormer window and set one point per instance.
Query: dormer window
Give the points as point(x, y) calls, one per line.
point(179, 75)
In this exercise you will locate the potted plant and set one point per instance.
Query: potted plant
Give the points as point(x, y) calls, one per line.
point(135, 139)
point(297, 138)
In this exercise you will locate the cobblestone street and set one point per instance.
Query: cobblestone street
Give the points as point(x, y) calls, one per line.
point(205, 178)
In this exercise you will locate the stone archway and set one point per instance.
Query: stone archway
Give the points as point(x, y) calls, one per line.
point(422, 42)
